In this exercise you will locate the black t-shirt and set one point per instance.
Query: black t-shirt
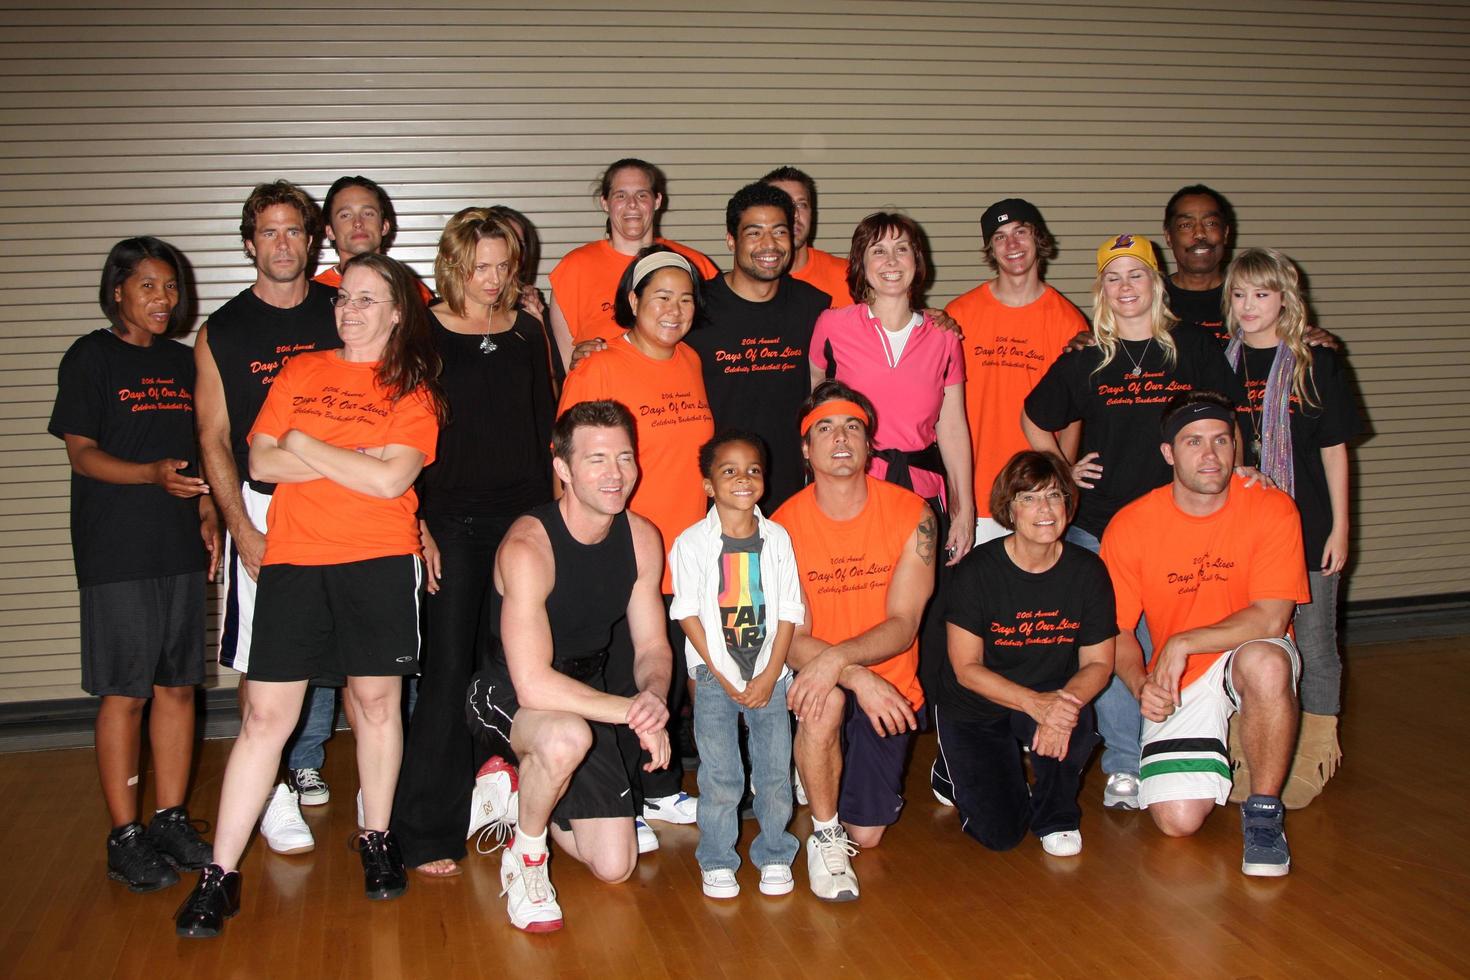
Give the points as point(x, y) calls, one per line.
point(1032, 623)
point(755, 370)
point(1200, 307)
point(1331, 422)
point(250, 340)
point(137, 403)
point(493, 456)
point(1121, 412)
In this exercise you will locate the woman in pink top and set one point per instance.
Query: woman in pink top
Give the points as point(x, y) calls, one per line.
point(912, 371)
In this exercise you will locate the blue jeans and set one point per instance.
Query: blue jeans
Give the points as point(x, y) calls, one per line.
point(1118, 719)
point(722, 775)
point(307, 748)
point(1316, 640)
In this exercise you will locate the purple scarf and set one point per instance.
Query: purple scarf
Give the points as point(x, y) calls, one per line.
point(1275, 415)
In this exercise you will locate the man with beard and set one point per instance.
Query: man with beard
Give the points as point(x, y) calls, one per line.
point(359, 218)
point(810, 264)
point(1216, 566)
point(753, 336)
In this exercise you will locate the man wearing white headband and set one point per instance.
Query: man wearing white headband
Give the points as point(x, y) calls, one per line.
point(1216, 566)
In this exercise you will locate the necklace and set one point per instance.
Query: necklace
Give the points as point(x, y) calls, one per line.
point(1138, 364)
point(487, 345)
point(1250, 406)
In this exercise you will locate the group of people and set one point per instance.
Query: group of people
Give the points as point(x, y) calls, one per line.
point(786, 498)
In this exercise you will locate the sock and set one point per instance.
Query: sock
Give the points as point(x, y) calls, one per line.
point(529, 846)
point(825, 824)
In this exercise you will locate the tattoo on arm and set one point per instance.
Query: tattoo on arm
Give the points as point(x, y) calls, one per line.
point(928, 537)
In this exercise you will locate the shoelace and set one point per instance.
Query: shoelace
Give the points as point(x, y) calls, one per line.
point(201, 898)
point(309, 779)
point(375, 847)
point(533, 876)
point(494, 835)
point(832, 843)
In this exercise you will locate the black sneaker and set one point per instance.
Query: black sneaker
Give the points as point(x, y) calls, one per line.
point(214, 899)
point(176, 839)
point(132, 860)
point(382, 864)
point(310, 785)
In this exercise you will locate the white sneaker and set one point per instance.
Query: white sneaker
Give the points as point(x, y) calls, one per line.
point(829, 865)
point(720, 883)
point(1121, 793)
point(679, 808)
point(281, 824)
point(796, 784)
point(647, 839)
point(776, 879)
point(1063, 843)
point(529, 897)
point(494, 805)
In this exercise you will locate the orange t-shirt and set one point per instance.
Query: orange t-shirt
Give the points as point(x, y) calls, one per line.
point(828, 273)
point(1183, 572)
point(584, 282)
point(846, 567)
point(321, 522)
point(668, 401)
point(332, 278)
point(1007, 350)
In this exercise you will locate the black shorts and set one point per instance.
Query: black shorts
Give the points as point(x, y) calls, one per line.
point(142, 633)
point(872, 769)
point(600, 786)
point(325, 623)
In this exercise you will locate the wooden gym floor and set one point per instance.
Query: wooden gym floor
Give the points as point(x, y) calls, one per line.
point(1380, 884)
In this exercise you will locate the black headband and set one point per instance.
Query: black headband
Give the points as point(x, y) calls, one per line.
point(1194, 413)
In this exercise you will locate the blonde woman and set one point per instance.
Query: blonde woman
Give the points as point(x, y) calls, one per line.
point(492, 464)
point(1142, 358)
point(1298, 420)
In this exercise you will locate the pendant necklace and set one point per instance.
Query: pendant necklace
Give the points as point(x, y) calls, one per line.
point(1250, 409)
point(487, 345)
point(1138, 364)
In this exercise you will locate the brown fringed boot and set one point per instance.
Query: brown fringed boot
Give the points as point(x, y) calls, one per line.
point(1317, 758)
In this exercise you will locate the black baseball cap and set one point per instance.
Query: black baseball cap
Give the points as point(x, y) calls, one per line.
point(1004, 212)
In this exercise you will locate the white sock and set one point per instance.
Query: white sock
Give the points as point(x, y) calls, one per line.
point(825, 824)
point(529, 846)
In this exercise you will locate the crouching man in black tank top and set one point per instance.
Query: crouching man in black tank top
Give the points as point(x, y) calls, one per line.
point(567, 573)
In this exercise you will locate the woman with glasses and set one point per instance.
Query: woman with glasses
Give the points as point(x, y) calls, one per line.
point(492, 464)
point(343, 434)
point(1031, 627)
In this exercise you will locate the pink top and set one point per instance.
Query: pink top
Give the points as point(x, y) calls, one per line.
point(907, 394)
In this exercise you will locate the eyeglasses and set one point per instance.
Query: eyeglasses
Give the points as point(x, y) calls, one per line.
point(1052, 498)
point(357, 303)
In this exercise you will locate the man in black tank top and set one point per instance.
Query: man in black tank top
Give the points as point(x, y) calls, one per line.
point(237, 354)
point(567, 574)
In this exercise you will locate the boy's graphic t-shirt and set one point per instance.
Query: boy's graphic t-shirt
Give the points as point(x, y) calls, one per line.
point(742, 600)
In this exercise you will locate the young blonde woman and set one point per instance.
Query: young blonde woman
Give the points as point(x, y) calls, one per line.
point(1143, 357)
point(1297, 423)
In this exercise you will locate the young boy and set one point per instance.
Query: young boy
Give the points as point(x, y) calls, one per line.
point(738, 598)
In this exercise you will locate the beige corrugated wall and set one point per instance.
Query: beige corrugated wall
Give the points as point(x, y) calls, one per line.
point(1338, 130)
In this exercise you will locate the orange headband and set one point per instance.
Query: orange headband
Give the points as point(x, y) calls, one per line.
point(836, 406)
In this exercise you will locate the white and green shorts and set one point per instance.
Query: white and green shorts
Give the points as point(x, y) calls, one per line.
point(1184, 756)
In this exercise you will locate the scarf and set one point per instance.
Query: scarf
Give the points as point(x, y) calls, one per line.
point(1275, 414)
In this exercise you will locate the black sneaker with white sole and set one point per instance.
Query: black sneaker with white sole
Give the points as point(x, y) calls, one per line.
point(176, 839)
point(310, 785)
point(132, 860)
